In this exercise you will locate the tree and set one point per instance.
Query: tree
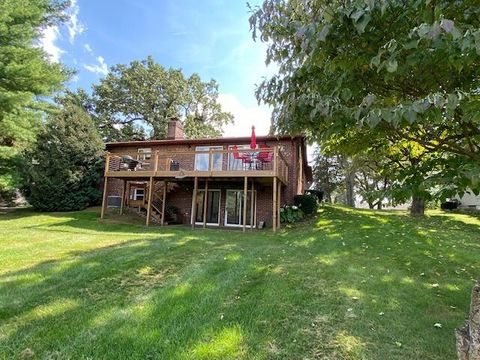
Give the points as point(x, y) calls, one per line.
point(143, 96)
point(407, 70)
point(65, 166)
point(26, 75)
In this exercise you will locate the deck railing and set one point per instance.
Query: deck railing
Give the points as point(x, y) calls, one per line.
point(213, 162)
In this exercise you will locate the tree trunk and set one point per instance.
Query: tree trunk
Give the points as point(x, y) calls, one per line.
point(349, 183)
point(379, 205)
point(468, 337)
point(418, 205)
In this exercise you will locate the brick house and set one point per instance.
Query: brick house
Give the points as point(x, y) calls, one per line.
point(206, 182)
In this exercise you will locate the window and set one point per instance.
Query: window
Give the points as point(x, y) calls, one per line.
point(144, 154)
point(201, 160)
point(138, 194)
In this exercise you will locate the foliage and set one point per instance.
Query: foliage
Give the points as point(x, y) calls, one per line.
point(144, 95)
point(65, 166)
point(26, 75)
point(307, 203)
point(405, 73)
point(317, 288)
point(291, 214)
point(317, 193)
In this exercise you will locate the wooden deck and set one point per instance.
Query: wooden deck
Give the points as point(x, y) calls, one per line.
point(198, 164)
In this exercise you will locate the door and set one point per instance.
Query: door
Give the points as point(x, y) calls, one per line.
point(213, 207)
point(234, 208)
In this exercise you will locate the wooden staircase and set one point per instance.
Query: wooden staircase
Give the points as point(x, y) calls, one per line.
point(160, 188)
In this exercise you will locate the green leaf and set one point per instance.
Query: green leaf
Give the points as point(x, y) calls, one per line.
point(412, 44)
point(362, 23)
point(322, 35)
point(392, 65)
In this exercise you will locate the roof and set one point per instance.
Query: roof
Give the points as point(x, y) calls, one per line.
point(220, 140)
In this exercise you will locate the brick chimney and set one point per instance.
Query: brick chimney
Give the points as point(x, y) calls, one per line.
point(175, 129)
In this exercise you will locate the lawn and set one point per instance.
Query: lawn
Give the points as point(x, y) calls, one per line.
point(350, 284)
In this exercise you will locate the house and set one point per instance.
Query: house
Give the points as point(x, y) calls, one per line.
point(469, 200)
point(218, 182)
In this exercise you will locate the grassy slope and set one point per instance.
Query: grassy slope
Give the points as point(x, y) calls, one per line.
point(351, 285)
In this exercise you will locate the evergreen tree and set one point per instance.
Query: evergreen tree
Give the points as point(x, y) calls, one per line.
point(25, 75)
point(65, 166)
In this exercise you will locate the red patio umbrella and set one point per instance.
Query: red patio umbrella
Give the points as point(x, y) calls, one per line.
point(253, 139)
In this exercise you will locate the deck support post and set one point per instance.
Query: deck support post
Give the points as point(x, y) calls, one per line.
point(245, 192)
point(194, 202)
point(165, 184)
point(104, 198)
point(149, 205)
point(274, 207)
point(279, 196)
point(124, 188)
point(205, 203)
point(252, 201)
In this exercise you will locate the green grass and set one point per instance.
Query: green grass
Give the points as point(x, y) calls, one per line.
point(351, 284)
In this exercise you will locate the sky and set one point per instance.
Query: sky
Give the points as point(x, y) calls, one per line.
point(208, 37)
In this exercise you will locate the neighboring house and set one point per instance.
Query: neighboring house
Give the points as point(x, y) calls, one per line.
point(469, 200)
point(206, 182)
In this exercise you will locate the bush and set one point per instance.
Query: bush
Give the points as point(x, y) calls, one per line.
point(308, 203)
point(291, 214)
point(317, 193)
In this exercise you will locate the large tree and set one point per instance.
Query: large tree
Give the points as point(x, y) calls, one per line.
point(26, 75)
point(408, 70)
point(64, 167)
point(141, 97)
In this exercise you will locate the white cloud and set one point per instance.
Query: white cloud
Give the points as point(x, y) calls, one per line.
point(47, 41)
point(88, 48)
point(74, 26)
point(245, 117)
point(100, 68)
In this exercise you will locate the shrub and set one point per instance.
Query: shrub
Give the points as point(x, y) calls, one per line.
point(291, 214)
point(308, 203)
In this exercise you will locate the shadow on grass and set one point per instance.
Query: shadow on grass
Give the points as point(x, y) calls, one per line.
point(310, 291)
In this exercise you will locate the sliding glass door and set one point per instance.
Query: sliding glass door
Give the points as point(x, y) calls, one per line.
point(213, 207)
point(234, 208)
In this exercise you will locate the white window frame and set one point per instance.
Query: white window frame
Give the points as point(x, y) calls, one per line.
point(208, 148)
point(219, 207)
point(241, 208)
point(136, 194)
point(144, 154)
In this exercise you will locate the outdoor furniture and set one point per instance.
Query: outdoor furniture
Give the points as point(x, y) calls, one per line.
point(246, 159)
point(130, 162)
point(264, 157)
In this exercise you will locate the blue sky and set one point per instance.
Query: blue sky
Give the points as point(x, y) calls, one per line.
point(209, 37)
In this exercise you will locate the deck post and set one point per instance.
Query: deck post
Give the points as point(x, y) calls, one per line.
point(205, 203)
point(274, 207)
point(149, 205)
point(104, 198)
point(279, 197)
point(245, 192)
point(165, 184)
point(252, 201)
point(194, 202)
point(155, 166)
point(124, 188)
point(275, 159)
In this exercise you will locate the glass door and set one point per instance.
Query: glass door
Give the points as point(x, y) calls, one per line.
point(234, 208)
point(213, 207)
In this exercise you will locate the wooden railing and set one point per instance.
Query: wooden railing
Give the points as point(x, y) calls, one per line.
point(241, 162)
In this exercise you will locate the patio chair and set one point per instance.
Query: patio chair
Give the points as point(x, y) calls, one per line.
point(246, 160)
point(265, 157)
